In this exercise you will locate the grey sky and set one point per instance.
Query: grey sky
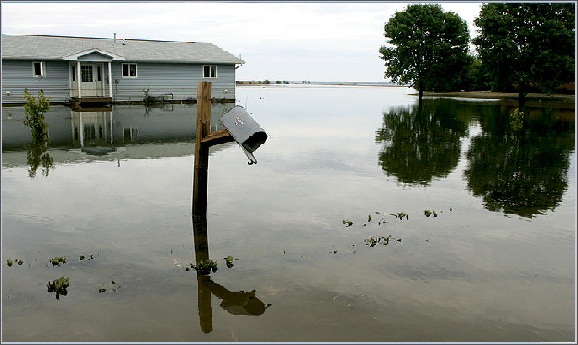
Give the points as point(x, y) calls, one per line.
point(321, 41)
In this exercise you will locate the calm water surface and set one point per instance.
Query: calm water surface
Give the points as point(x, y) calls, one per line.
point(494, 261)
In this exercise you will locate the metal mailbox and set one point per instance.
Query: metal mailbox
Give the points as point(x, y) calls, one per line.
point(246, 131)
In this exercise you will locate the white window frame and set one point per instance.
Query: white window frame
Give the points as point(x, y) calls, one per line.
point(83, 76)
point(42, 69)
point(135, 70)
point(212, 71)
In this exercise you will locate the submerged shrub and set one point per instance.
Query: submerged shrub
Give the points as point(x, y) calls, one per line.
point(35, 110)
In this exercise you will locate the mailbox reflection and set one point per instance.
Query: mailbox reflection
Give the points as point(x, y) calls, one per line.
point(234, 302)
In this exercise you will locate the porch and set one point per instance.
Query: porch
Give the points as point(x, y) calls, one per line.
point(91, 102)
point(90, 78)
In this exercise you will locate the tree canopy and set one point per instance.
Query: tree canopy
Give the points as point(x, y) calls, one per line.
point(527, 44)
point(427, 48)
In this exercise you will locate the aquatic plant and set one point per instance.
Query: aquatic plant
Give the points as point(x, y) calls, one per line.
point(205, 267)
point(229, 261)
point(59, 286)
point(10, 262)
point(57, 260)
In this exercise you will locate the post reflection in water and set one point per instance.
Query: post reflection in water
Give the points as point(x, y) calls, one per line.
point(235, 302)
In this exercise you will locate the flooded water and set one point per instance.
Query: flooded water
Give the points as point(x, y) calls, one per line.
point(365, 220)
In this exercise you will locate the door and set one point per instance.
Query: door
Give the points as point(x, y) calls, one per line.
point(87, 80)
point(91, 79)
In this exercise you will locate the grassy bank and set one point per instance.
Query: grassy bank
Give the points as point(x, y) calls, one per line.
point(535, 97)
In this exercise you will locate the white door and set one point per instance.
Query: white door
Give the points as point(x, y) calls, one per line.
point(91, 79)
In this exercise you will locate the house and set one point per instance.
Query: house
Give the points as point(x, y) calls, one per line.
point(105, 70)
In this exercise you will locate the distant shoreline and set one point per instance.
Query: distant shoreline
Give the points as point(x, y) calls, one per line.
point(317, 83)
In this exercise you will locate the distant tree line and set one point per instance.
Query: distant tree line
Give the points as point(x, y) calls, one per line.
point(520, 46)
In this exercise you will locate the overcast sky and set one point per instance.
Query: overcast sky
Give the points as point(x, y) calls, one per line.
point(321, 41)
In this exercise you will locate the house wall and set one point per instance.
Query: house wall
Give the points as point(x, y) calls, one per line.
point(17, 75)
point(159, 78)
point(179, 79)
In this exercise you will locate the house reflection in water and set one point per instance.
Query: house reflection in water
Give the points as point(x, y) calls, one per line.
point(93, 129)
point(117, 132)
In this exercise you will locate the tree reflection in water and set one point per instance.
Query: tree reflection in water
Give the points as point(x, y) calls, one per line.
point(421, 144)
point(520, 171)
point(516, 167)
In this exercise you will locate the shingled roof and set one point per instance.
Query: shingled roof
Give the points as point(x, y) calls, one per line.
point(43, 47)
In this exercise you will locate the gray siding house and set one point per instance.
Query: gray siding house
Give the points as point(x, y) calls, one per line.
point(110, 69)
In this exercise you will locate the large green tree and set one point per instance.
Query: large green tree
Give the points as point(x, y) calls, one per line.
point(527, 44)
point(426, 48)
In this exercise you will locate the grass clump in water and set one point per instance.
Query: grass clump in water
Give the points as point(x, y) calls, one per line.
point(59, 286)
point(205, 267)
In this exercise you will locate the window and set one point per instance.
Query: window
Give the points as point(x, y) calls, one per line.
point(129, 70)
point(86, 74)
point(98, 73)
point(73, 72)
point(38, 69)
point(210, 71)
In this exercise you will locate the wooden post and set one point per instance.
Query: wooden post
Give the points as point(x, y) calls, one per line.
point(203, 291)
point(205, 139)
point(202, 151)
point(200, 176)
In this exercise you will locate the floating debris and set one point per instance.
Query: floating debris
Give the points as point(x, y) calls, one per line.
point(369, 218)
point(59, 286)
point(374, 240)
point(112, 286)
point(400, 215)
point(83, 257)
point(429, 213)
point(9, 263)
point(347, 222)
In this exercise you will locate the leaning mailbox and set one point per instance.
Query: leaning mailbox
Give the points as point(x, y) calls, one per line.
point(244, 130)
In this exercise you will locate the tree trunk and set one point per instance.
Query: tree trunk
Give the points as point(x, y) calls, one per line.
point(521, 96)
point(420, 101)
